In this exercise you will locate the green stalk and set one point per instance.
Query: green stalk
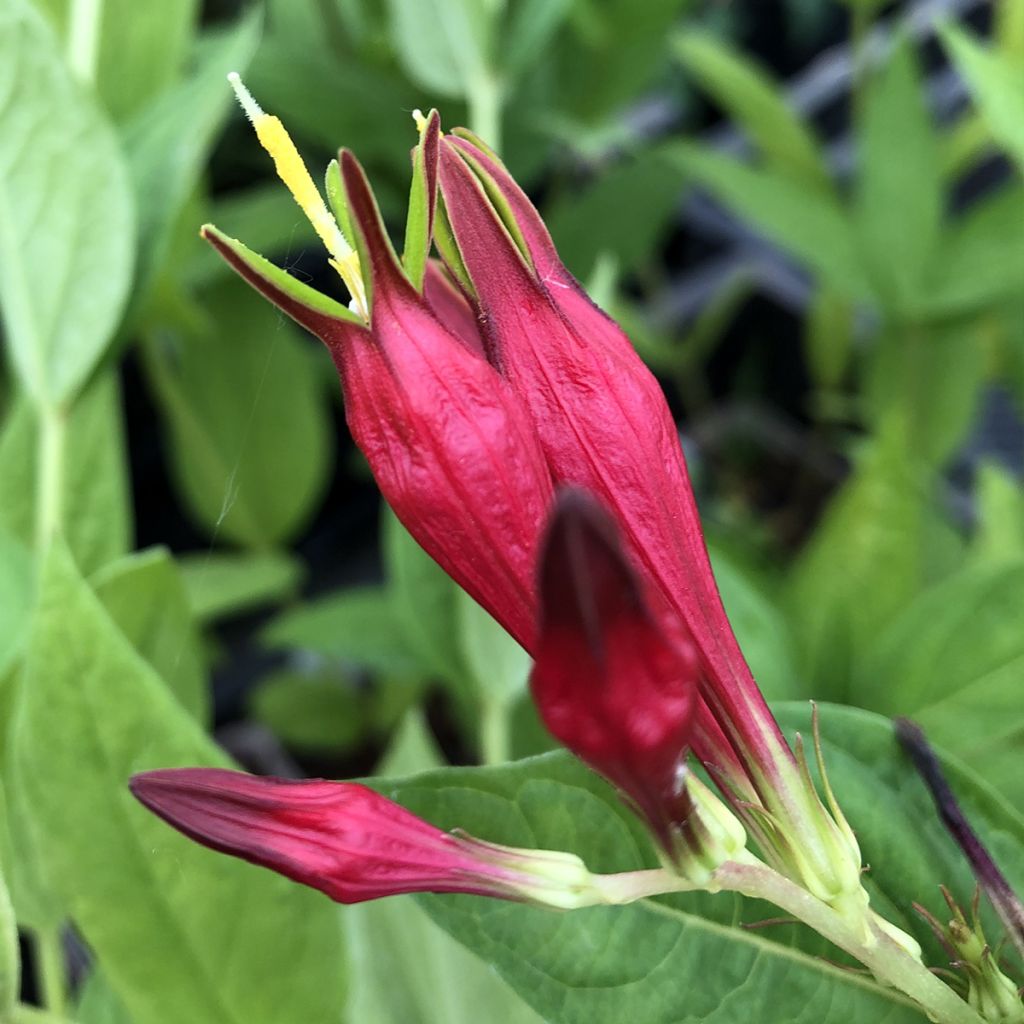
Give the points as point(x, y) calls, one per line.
point(494, 746)
point(887, 960)
point(485, 103)
point(50, 971)
point(50, 481)
point(84, 37)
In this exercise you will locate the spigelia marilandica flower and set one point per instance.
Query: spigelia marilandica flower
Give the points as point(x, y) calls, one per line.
point(454, 452)
point(466, 427)
point(604, 424)
point(353, 844)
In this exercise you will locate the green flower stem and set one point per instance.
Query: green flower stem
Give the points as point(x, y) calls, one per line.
point(84, 37)
point(890, 963)
point(50, 481)
point(494, 737)
point(869, 943)
point(485, 102)
point(50, 971)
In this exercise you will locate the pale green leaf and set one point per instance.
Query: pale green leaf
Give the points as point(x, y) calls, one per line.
point(249, 425)
point(144, 595)
point(131, 57)
point(219, 585)
point(168, 143)
point(813, 227)
point(359, 626)
point(65, 214)
point(170, 923)
point(756, 104)
point(443, 44)
point(953, 661)
point(497, 665)
point(997, 82)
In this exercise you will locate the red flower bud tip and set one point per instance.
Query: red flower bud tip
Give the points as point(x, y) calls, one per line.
point(603, 423)
point(611, 682)
point(352, 843)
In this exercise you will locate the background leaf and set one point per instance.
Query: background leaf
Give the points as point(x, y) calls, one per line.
point(899, 188)
point(65, 213)
point(145, 597)
point(251, 448)
point(170, 923)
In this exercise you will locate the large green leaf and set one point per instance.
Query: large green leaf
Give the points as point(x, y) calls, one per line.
point(65, 213)
point(997, 82)
point(443, 44)
point(755, 102)
point(144, 595)
point(932, 377)
point(953, 660)
point(981, 261)
point(129, 55)
point(94, 484)
point(813, 227)
point(899, 187)
point(170, 923)
point(248, 424)
point(219, 584)
point(861, 566)
point(425, 600)
point(764, 635)
point(168, 142)
point(357, 625)
point(682, 959)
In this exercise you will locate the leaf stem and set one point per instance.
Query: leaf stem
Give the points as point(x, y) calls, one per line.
point(50, 970)
point(84, 37)
point(494, 745)
point(485, 103)
point(50, 481)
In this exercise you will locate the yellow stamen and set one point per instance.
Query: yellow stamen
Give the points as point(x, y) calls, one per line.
point(292, 171)
point(421, 121)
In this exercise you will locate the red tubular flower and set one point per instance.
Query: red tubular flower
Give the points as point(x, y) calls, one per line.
point(352, 843)
point(615, 685)
point(452, 448)
point(604, 424)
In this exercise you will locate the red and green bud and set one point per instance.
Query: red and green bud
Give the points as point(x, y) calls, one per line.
point(452, 448)
point(353, 844)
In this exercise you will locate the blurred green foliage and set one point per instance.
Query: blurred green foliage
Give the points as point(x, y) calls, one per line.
point(118, 137)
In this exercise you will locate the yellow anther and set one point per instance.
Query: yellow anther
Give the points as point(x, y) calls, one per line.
point(292, 171)
point(421, 121)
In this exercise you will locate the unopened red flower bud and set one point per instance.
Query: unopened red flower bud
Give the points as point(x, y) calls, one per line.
point(353, 844)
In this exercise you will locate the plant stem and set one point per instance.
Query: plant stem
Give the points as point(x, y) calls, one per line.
point(84, 37)
point(485, 102)
point(890, 963)
point(50, 482)
point(50, 971)
point(494, 731)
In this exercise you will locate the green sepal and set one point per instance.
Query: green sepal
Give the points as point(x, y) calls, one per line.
point(303, 304)
point(419, 224)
